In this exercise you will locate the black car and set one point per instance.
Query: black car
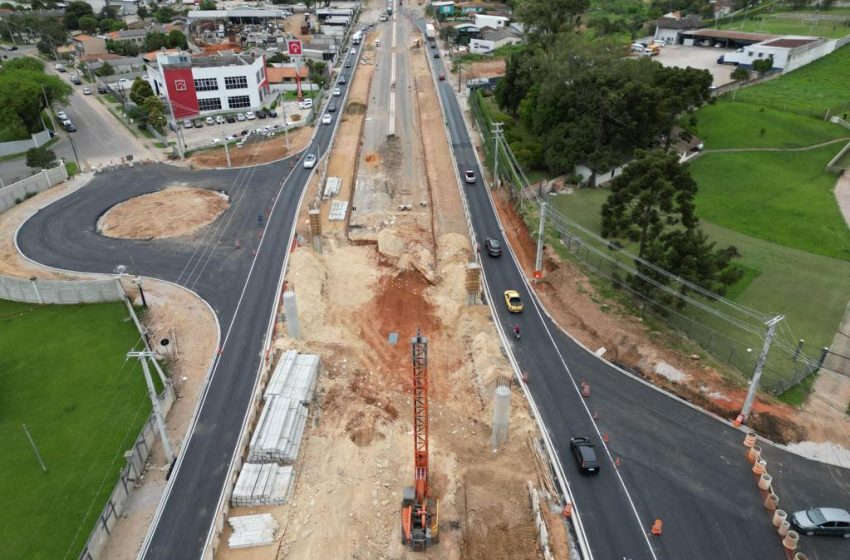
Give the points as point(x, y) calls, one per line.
point(494, 248)
point(347, 64)
point(436, 54)
point(585, 455)
point(230, 118)
point(12, 48)
point(102, 89)
point(272, 113)
point(69, 126)
point(261, 114)
point(342, 80)
point(75, 80)
point(331, 108)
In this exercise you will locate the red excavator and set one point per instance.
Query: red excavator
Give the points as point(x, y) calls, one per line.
point(419, 512)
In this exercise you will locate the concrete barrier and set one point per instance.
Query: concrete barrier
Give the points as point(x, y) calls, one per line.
point(771, 502)
point(765, 481)
point(791, 539)
point(778, 517)
point(760, 467)
point(25, 188)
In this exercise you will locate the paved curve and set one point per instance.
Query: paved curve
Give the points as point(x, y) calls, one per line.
point(678, 464)
point(221, 273)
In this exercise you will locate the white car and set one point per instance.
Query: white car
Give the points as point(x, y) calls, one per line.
point(215, 141)
point(327, 118)
point(305, 104)
point(353, 50)
point(250, 115)
point(337, 92)
point(219, 120)
point(240, 117)
point(210, 121)
point(62, 116)
point(310, 161)
point(187, 123)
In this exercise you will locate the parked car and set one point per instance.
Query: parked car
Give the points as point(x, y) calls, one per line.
point(12, 48)
point(305, 104)
point(337, 92)
point(822, 521)
point(469, 176)
point(240, 117)
point(101, 88)
point(210, 121)
point(219, 119)
point(250, 115)
point(513, 302)
point(230, 118)
point(261, 114)
point(215, 141)
point(271, 113)
point(493, 247)
point(69, 126)
point(61, 115)
point(585, 455)
point(310, 161)
point(198, 123)
point(75, 80)
point(86, 91)
point(327, 118)
point(59, 68)
point(187, 123)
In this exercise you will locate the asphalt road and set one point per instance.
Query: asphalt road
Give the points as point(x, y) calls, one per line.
point(677, 464)
point(241, 288)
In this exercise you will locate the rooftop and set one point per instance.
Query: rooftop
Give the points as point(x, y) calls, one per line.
point(729, 34)
point(223, 58)
point(277, 75)
point(687, 22)
point(791, 43)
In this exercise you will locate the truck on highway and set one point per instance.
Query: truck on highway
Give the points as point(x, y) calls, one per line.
point(357, 37)
point(430, 33)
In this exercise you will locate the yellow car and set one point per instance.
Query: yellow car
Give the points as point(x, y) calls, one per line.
point(513, 301)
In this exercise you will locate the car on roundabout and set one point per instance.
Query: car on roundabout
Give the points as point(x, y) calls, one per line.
point(513, 302)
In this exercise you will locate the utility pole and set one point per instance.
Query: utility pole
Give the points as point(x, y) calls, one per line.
point(181, 150)
point(751, 394)
point(497, 138)
point(160, 423)
point(285, 125)
point(538, 261)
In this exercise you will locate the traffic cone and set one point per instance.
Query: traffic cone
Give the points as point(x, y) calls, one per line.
point(656, 528)
point(605, 437)
point(567, 512)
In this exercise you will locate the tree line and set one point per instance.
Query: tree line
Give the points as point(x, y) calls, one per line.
point(582, 101)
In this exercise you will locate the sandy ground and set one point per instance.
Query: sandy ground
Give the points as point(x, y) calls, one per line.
point(173, 211)
point(174, 313)
point(357, 452)
point(254, 154)
point(342, 161)
point(484, 69)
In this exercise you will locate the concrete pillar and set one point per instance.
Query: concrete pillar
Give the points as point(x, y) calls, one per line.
point(290, 310)
point(750, 440)
point(771, 502)
point(754, 454)
point(501, 412)
point(473, 283)
point(790, 540)
point(784, 527)
point(316, 228)
point(765, 481)
point(760, 467)
point(778, 517)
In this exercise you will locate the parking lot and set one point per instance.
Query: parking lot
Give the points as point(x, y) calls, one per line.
point(702, 58)
point(202, 137)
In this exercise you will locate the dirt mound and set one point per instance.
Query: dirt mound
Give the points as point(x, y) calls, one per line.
point(167, 213)
point(355, 108)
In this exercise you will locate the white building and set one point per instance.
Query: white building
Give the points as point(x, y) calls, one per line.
point(206, 84)
point(789, 52)
point(492, 39)
point(496, 22)
point(669, 28)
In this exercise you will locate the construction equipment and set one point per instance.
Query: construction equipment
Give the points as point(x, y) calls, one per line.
point(419, 512)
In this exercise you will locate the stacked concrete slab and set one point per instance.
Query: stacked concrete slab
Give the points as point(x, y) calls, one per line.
point(252, 530)
point(278, 434)
point(262, 485)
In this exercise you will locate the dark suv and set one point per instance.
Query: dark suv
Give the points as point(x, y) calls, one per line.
point(585, 455)
point(494, 248)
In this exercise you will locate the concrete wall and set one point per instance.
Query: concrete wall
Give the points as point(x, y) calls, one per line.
point(601, 178)
point(18, 146)
point(804, 55)
point(11, 195)
point(60, 291)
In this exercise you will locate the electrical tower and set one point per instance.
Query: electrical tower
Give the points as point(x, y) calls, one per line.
point(419, 514)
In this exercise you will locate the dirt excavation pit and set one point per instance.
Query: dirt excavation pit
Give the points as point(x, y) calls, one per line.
point(170, 212)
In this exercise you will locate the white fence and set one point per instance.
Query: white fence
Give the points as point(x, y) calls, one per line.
point(18, 146)
point(38, 291)
point(25, 188)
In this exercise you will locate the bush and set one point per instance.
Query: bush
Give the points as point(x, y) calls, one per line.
point(40, 158)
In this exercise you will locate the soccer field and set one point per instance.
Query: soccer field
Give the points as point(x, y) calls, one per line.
point(63, 375)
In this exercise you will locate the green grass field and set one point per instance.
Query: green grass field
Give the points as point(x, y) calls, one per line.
point(732, 124)
point(782, 197)
point(811, 90)
point(770, 23)
point(810, 290)
point(63, 375)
